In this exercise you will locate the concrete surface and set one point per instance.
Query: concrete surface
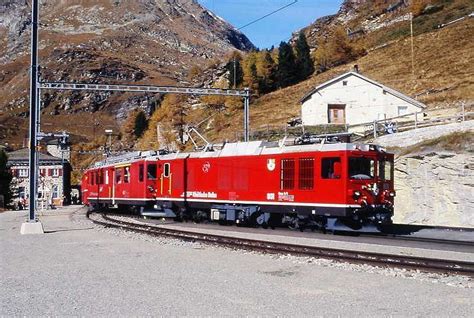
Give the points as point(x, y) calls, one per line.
point(28, 228)
point(83, 270)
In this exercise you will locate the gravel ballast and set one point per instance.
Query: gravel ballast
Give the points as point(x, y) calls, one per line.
point(77, 268)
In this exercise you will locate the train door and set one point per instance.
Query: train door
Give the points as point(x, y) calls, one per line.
point(165, 179)
point(331, 180)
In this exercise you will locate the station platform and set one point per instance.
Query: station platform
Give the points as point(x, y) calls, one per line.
point(80, 269)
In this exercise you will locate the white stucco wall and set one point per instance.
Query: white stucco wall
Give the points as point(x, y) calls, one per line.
point(364, 102)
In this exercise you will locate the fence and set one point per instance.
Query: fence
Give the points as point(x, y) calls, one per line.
point(411, 121)
point(365, 130)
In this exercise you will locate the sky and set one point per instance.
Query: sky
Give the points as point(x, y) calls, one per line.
point(277, 27)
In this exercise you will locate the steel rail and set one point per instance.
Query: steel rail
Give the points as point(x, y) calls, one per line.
point(398, 237)
point(360, 257)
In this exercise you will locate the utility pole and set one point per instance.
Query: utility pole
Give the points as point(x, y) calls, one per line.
point(412, 49)
point(32, 226)
point(235, 73)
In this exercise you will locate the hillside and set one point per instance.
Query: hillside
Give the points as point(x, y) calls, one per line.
point(443, 74)
point(143, 42)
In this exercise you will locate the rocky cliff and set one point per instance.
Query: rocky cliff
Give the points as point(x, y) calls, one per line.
point(434, 174)
point(435, 189)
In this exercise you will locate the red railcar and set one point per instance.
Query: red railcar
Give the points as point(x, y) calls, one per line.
point(254, 182)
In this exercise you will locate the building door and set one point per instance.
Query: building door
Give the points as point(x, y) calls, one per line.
point(336, 113)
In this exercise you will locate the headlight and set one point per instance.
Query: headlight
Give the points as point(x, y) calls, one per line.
point(357, 193)
point(392, 194)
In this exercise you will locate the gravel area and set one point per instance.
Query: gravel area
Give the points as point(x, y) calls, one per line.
point(327, 243)
point(81, 269)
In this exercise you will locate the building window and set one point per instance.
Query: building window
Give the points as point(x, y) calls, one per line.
point(331, 168)
point(287, 177)
point(344, 83)
point(306, 174)
point(402, 110)
point(55, 172)
point(55, 194)
point(21, 192)
point(23, 173)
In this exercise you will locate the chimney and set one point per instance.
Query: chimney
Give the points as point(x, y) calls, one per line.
point(356, 68)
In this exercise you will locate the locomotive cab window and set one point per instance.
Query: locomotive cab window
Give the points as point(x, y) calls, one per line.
point(151, 171)
point(166, 170)
point(361, 168)
point(385, 170)
point(331, 168)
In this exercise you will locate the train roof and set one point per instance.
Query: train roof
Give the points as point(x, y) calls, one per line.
point(252, 148)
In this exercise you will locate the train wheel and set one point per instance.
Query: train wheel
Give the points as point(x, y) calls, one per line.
point(257, 220)
point(200, 216)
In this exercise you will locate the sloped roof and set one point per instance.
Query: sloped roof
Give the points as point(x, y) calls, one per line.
point(24, 155)
point(387, 89)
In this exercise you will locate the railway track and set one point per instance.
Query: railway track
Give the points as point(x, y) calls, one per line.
point(360, 257)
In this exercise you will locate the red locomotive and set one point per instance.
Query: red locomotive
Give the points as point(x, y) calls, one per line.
point(251, 183)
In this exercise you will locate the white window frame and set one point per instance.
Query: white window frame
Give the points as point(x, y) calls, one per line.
point(55, 172)
point(401, 113)
point(23, 173)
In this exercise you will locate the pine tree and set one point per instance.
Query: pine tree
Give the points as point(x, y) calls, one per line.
point(251, 78)
point(304, 63)
point(266, 70)
point(141, 123)
point(286, 65)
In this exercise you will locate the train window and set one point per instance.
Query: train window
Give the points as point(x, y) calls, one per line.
point(118, 175)
point(151, 171)
point(361, 168)
point(141, 172)
point(306, 174)
point(92, 178)
point(287, 180)
point(331, 168)
point(101, 177)
point(166, 170)
point(126, 174)
point(385, 170)
point(106, 176)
